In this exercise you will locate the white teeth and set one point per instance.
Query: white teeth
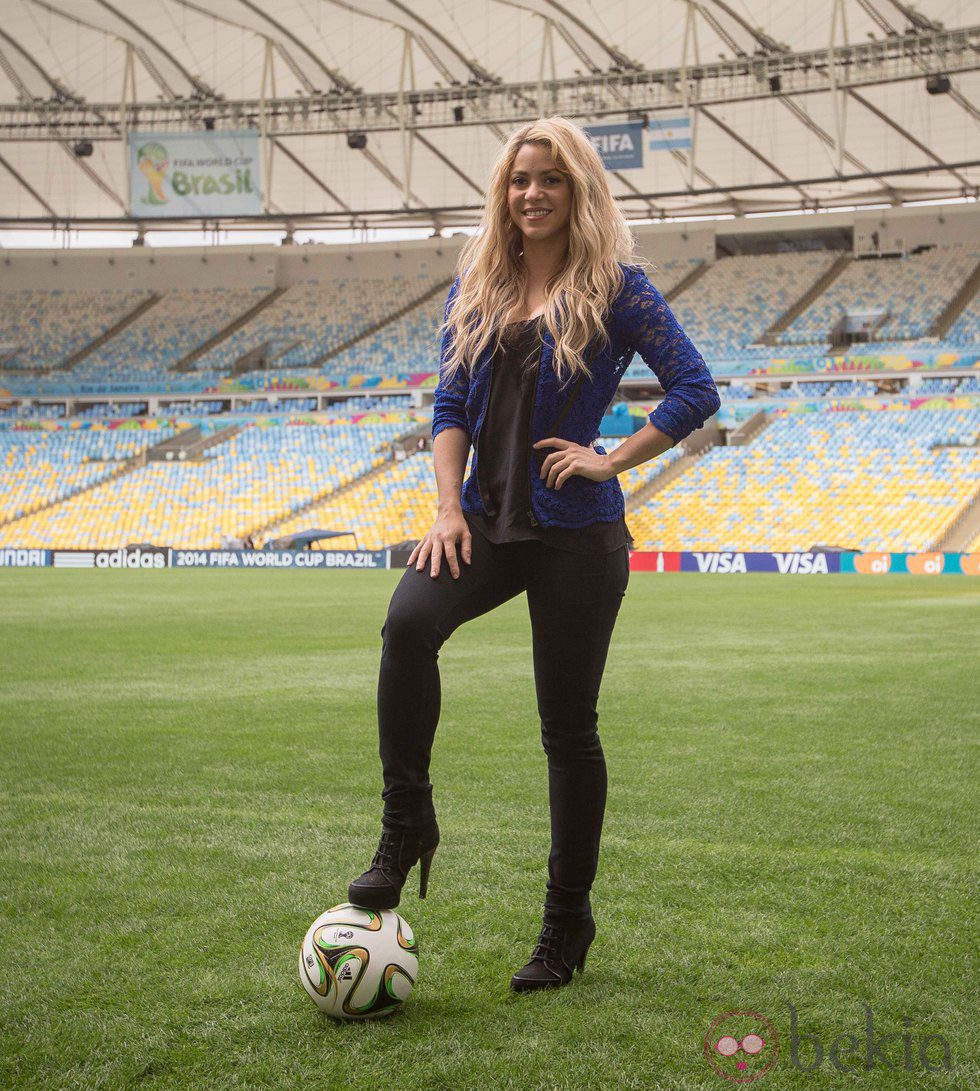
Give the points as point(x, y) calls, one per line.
point(538, 215)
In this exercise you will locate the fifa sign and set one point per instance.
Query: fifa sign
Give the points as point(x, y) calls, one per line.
point(199, 175)
point(620, 145)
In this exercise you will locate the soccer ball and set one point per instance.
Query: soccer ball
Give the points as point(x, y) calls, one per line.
point(358, 963)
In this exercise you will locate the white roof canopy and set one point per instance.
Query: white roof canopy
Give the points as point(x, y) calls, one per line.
point(795, 104)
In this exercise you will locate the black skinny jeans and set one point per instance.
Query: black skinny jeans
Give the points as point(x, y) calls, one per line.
point(573, 601)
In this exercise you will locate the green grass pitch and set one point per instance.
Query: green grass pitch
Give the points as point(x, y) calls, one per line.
point(190, 775)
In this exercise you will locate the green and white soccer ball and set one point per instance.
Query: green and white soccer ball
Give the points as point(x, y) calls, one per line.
point(358, 963)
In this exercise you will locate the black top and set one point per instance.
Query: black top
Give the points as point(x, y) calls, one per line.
point(504, 476)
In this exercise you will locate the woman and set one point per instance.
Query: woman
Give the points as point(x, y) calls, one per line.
point(539, 326)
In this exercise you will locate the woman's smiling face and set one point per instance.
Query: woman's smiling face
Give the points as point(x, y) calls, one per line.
point(537, 183)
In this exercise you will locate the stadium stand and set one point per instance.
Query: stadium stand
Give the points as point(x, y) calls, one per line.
point(886, 348)
point(947, 384)
point(178, 322)
point(398, 501)
point(108, 410)
point(262, 474)
point(23, 411)
point(47, 328)
point(41, 467)
point(965, 331)
point(861, 480)
point(310, 319)
point(837, 388)
point(401, 346)
point(738, 298)
point(197, 355)
point(281, 405)
point(371, 401)
point(725, 310)
point(388, 506)
point(883, 480)
point(669, 273)
point(195, 408)
point(913, 290)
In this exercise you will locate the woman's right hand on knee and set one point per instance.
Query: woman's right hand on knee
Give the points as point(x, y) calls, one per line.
point(449, 536)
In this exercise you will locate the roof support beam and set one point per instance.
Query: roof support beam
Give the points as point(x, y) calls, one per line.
point(614, 94)
point(12, 170)
point(743, 79)
point(820, 132)
point(915, 19)
point(312, 175)
point(480, 75)
point(128, 95)
point(60, 91)
point(619, 59)
point(742, 142)
point(200, 88)
point(765, 43)
point(463, 214)
point(270, 141)
point(913, 140)
point(690, 43)
point(155, 73)
point(712, 20)
point(140, 52)
point(128, 98)
point(837, 97)
point(339, 81)
point(406, 74)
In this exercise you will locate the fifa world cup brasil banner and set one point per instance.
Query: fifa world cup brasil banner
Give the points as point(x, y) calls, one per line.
point(195, 175)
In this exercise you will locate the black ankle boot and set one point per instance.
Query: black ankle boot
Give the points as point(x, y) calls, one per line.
point(561, 948)
point(380, 887)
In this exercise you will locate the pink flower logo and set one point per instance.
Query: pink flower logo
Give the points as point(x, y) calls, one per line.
point(741, 1046)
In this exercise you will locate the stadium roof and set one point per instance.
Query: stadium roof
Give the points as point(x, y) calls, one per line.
point(795, 104)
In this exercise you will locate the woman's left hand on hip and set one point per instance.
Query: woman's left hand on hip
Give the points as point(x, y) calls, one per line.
point(571, 458)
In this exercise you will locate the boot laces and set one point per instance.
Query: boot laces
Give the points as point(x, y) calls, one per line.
point(389, 848)
point(549, 943)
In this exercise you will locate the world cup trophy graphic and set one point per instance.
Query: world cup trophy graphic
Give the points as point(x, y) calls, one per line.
point(153, 162)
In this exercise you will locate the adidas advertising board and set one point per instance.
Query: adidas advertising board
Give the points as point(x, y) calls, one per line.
point(722, 562)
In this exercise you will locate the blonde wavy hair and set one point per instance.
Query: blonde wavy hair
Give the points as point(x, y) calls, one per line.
point(493, 279)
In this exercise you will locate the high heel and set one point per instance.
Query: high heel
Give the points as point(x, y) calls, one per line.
point(399, 850)
point(560, 950)
point(426, 863)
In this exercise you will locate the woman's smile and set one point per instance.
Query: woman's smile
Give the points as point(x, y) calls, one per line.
point(535, 177)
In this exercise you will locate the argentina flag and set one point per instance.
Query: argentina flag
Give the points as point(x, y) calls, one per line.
point(669, 132)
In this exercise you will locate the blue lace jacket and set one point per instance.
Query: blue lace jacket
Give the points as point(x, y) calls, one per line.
point(640, 321)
